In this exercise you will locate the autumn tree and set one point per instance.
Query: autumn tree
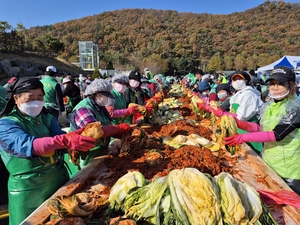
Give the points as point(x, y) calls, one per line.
point(96, 74)
point(215, 63)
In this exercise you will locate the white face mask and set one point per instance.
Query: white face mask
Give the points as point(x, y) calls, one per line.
point(205, 93)
point(144, 85)
point(278, 97)
point(134, 83)
point(121, 88)
point(33, 108)
point(239, 84)
point(222, 95)
point(102, 101)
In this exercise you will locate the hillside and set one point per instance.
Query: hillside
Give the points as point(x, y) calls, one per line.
point(37, 64)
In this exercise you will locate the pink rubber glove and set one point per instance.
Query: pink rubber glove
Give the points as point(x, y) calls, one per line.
point(204, 107)
point(119, 113)
point(219, 112)
point(266, 136)
point(133, 110)
point(115, 130)
point(247, 126)
point(72, 140)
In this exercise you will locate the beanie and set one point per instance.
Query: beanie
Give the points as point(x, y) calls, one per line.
point(203, 86)
point(135, 75)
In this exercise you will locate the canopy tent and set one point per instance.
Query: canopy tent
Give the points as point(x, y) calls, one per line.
point(292, 62)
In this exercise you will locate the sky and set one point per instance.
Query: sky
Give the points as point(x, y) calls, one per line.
point(33, 13)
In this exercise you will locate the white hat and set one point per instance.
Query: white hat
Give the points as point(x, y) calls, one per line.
point(52, 68)
point(146, 69)
point(66, 80)
point(88, 81)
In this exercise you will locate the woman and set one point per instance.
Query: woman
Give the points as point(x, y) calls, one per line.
point(279, 128)
point(93, 109)
point(134, 93)
point(121, 113)
point(224, 96)
point(245, 103)
point(30, 138)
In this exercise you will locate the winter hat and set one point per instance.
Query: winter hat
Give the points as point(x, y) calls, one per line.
point(203, 86)
point(283, 74)
point(242, 74)
point(101, 86)
point(225, 87)
point(120, 78)
point(135, 75)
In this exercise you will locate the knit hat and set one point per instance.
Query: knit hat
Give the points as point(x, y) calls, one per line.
point(101, 86)
point(243, 75)
point(203, 86)
point(283, 74)
point(120, 78)
point(135, 75)
point(225, 87)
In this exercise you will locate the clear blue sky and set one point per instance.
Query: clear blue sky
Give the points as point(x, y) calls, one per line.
point(40, 12)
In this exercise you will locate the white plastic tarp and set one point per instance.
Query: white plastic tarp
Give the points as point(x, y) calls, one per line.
point(292, 62)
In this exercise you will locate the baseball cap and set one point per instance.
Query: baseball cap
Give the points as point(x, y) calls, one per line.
point(283, 74)
point(242, 74)
point(52, 68)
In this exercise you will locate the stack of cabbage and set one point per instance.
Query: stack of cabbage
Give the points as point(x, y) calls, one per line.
point(188, 196)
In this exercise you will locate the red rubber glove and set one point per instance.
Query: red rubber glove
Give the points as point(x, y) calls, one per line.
point(266, 136)
point(72, 140)
point(115, 130)
point(247, 126)
point(204, 107)
point(133, 110)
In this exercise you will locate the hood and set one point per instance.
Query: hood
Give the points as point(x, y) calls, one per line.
point(248, 89)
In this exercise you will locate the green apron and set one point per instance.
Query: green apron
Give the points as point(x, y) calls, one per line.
point(256, 146)
point(32, 180)
point(120, 103)
point(282, 156)
point(102, 143)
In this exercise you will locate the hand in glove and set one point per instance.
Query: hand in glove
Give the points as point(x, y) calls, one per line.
point(72, 140)
point(204, 107)
point(266, 136)
point(133, 110)
point(219, 112)
point(115, 130)
point(247, 126)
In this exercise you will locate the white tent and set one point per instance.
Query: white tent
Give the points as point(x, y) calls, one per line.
point(292, 62)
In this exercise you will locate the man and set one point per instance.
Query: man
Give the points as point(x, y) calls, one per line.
point(53, 99)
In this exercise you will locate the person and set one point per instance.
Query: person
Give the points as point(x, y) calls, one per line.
point(198, 74)
point(253, 78)
point(224, 95)
point(31, 148)
point(279, 128)
point(120, 111)
point(11, 80)
point(245, 104)
point(160, 84)
point(72, 92)
point(53, 98)
point(2, 97)
point(82, 85)
point(134, 93)
point(148, 74)
point(93, 109)
point(146, 89)
point(205, 92)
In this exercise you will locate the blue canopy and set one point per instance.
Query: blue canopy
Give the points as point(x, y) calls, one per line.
point(292, 62)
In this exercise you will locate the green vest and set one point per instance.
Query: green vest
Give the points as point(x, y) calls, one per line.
point(32, 180)
point(282, 156)
point(256, 146)
point(101, 145)
point(50, 91)
point(120, 103)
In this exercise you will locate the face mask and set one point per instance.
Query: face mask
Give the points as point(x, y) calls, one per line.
point(144, 85)
point(121, 88)
point(33, 108)
point(134, 83)
point(222, 95)
point(278, 97)
point(205, 93)
point(102, 101)
point(239, 84)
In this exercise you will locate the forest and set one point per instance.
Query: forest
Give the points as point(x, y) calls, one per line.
point(166, 41)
